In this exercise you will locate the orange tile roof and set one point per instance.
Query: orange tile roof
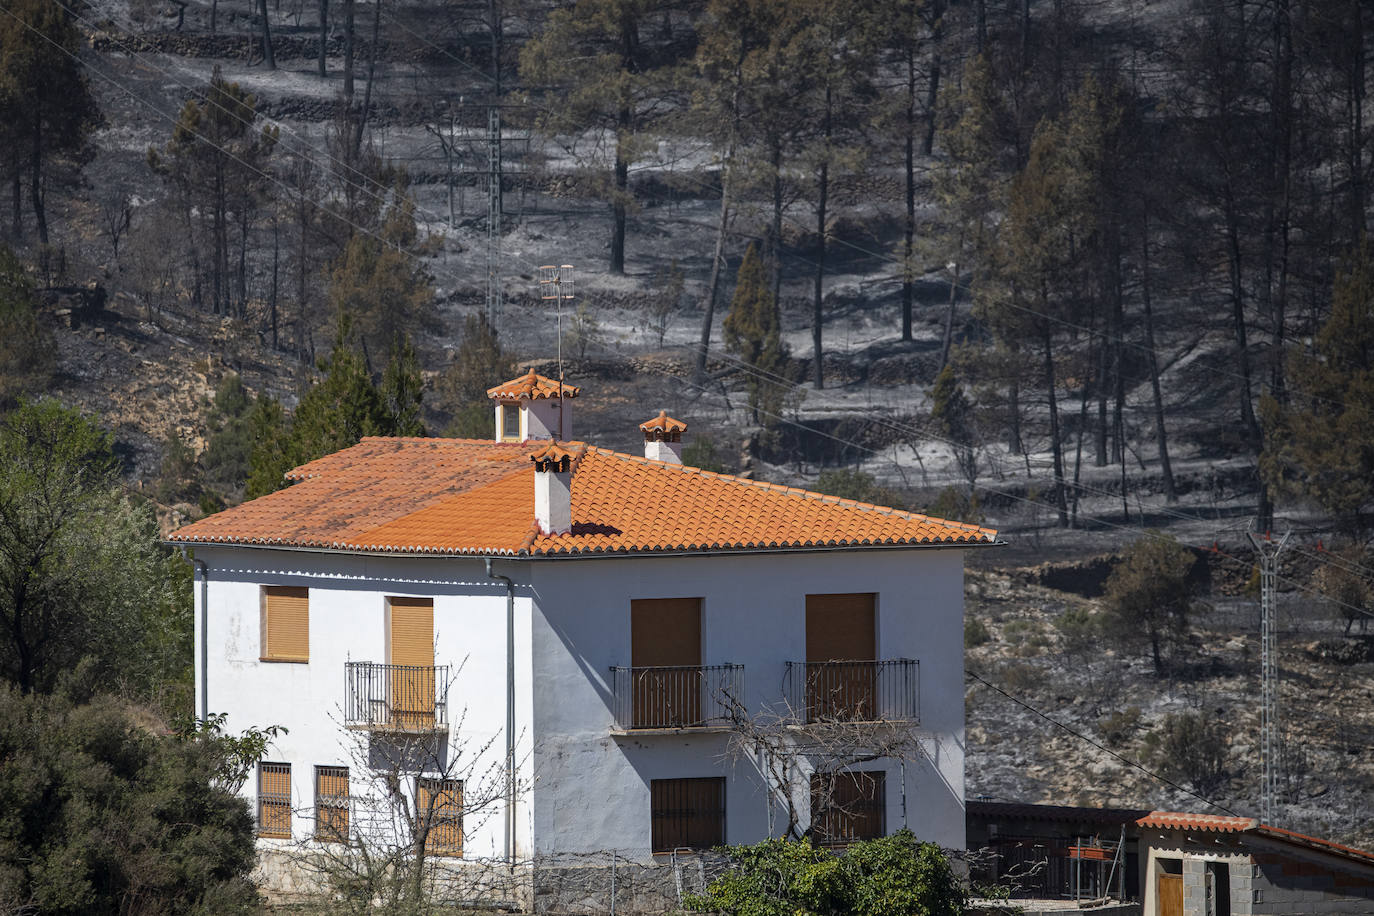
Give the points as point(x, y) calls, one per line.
point(532, 386)
point(662, 425)
point(454, 496)
point(1176, 820)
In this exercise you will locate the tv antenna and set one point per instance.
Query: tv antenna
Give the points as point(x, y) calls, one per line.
point(557, 283)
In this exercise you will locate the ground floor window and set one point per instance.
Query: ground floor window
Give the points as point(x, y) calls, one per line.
point(687, 813)
point(847, 807)
point(439, 808)
point(331, 804)
point(274, 800)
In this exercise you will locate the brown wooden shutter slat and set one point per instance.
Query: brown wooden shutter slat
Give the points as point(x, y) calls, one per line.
point(442, 801)
point(286, 631)
point(412, 646)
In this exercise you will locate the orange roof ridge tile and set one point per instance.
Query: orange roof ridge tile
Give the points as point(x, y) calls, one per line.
point(533, 386)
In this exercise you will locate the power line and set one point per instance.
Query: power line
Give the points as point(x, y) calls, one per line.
point(1082, 737)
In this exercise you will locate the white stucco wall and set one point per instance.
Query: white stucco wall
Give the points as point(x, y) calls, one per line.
point(348, 623)
point(592, 789)
point(586, 790)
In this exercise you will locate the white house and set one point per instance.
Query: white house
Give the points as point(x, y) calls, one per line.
point(592, 623)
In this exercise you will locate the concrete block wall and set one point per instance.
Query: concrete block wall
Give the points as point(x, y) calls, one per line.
point(1285, 883)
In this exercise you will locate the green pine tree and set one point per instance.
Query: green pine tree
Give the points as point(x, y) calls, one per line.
point(753, 332)
point(478, 364)
point(1321, 446)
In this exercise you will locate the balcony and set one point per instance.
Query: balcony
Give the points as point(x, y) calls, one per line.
point(407, 699)
point(676, 697)
point(854, 691)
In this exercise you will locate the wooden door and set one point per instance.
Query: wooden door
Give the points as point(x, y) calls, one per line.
point(841, 647)
point(665, 655)
point(1169, 889)
point(411, 648)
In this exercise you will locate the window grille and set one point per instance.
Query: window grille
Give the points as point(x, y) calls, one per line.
point(439, 804)
point(687, 813)
point(848, 807)
point(274, 800)
point(331, 804)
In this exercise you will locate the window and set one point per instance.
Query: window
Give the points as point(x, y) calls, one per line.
point(285, 624)
point(687, 813)
point(510, 422)
point(847, 807)
point(439, 803)
point(274, 800)
point(331, 804)
point(841, 645)
point(665, 654)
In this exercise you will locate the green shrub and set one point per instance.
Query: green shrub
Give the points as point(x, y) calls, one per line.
point(701, 453)
point(976, 633)
point(1118, 727)
point(891, 876)
point(1080, 629)
point(1192, 748)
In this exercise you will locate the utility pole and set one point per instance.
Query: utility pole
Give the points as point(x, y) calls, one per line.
point(1270, 734)
point(557, 283)
point(494, 213)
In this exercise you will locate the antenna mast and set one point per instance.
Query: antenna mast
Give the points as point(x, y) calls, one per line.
point(1269, 551)
point(556, 283)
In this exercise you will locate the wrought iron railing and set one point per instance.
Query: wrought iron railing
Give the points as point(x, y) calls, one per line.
point(854, 691)
point(679, 696)
point(402, 698)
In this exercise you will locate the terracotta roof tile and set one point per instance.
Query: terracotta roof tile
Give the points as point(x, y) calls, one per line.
point(452, 496)
point(1175, 820)
point(532, 386)
point(663, 425)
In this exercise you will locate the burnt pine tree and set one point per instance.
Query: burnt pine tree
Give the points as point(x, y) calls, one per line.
point(215, 162)
point(753, 332)
point(610, 78)
point(46, 106)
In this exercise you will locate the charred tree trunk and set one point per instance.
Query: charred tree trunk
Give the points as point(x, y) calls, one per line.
point(1056, 447)
point(268, 57)
point(371, 77)
point(822, 193)
point(713, 284)
point(324, 39)
point(1166, 470)
point(622, 190)
point(40, 212)
point(909, 235)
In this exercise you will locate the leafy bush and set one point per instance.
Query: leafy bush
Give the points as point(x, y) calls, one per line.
point(101, 816)
point(1192, 748)
point(1118, 727)
point(976, 633)
point(1080, 629)
point(957, 504)
point(892, 876)
point(701, 453)
point(26, 351)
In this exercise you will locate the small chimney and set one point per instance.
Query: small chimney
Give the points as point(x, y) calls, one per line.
point(553, 488)
point(663, 438)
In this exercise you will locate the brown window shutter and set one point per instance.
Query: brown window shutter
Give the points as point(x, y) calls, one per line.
point(840, 627)
point(848, 807)
point(665, 631)
point(412, 631)
point(441, 800)
point(274, 800)
point(331, 804)
point(687, 813)
point(286, 624)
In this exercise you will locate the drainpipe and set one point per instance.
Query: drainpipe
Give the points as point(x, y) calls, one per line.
point(204, 633)
point(510, 712)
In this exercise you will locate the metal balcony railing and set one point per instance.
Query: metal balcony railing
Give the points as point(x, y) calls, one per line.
point(854, 691)
point(686, 696)
point(397, 698)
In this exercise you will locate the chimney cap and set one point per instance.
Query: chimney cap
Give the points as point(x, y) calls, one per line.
point(532, 386)
point(552, 457)
point(663, 427)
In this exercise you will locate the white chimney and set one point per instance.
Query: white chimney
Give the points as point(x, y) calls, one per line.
point(533, 407)
point(553, 488)
point(663, 438)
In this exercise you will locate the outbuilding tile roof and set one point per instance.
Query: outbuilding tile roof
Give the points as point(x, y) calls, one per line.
point(451, 496)
point(1212, 823)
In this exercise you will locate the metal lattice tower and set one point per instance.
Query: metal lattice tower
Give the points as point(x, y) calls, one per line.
point(493, 214)
point(1270, 735)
